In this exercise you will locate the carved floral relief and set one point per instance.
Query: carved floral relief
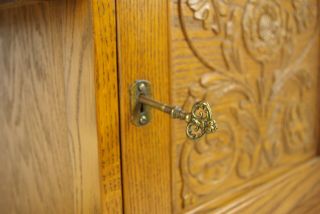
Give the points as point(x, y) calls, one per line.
point(260, 90)
point(264, 29)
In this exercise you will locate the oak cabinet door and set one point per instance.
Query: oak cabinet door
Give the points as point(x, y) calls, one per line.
point(256, 62)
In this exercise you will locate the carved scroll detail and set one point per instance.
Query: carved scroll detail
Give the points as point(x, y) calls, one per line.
point(262, 116)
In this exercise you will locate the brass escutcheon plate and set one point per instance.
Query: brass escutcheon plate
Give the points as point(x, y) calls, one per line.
point(140, 113)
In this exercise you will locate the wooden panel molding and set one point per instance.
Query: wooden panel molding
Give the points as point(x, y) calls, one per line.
point(256, 63)
point(294, 192)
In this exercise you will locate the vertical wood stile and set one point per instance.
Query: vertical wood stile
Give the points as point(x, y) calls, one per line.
point(143, 54)
point(104, 22)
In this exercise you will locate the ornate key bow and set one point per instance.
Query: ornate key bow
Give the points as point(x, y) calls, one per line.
point(200, 121)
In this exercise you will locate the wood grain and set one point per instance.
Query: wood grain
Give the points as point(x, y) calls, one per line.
point(295, 192)
point(145, 151)
point(309, 203)
point(263, 88)
point(104, 19)
point(49, 161)
point(5, 4)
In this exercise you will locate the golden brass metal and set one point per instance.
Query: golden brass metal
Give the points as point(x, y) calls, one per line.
point(140, 113)
point(199, 120)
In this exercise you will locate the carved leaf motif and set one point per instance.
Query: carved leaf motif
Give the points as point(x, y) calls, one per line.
point(264, 29)
point(261, 113)
point(205, 11)
point(305, 14)
point(218, 85)
point(210, 162)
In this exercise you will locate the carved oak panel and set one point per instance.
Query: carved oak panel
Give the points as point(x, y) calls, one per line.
point(255, 62)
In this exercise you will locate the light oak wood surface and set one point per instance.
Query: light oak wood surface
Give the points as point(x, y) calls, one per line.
point(67, 142)
point(262, 83)
point(48, 131)
point(294, 192)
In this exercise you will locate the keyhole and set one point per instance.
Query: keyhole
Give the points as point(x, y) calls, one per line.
point(141, 108)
